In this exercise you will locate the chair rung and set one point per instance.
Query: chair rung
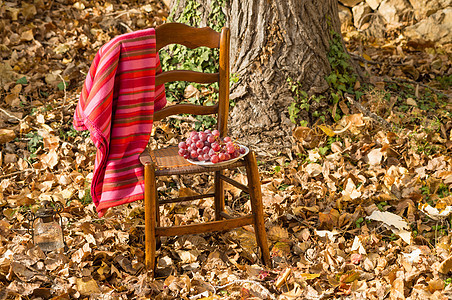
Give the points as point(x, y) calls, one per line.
point(235, 183)
point(205, 227)
point(188, 198)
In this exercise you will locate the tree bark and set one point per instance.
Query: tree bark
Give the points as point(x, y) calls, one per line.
point(270, 42)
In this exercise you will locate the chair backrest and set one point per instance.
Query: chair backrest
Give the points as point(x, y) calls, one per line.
point(176, 33)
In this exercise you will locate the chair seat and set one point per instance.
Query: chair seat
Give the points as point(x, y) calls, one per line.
point(168, 162)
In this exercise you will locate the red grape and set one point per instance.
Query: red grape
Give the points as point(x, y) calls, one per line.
point(202, 136)
point(211, 139)
point(216, 147)
point(222, 156)
point(182, 145)
point(208, 146)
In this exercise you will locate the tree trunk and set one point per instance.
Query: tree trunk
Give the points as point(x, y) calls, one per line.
point(270, 42)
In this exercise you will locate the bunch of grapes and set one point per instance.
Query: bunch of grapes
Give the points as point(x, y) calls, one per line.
point(209, 146)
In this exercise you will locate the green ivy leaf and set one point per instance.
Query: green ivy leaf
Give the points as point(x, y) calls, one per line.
point(22, 80)
point(62, 85)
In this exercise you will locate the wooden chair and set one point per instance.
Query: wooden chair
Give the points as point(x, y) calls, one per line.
point(164, 162)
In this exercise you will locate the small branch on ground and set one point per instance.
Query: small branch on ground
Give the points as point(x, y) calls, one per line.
point(405, 80)
point(65, 97)
point(10, 115)
point(371, 62)
point(368, 113)
point(15, 173)
point(360, 58)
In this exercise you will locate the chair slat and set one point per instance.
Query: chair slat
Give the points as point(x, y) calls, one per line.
point(185, 109)
point(205, 227)
point(185, 75)
point(235, 183)
point(188, 198)
point(176, 33)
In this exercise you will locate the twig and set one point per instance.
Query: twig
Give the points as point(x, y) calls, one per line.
point(414, 82)
point(65, 97)
point(368, 113)
point(118, 14)
point(64, 88)
point(125, 26)
point(358, 57)
point(10, 115)
point(15, 173)
point(69, 104)
point(267, 292)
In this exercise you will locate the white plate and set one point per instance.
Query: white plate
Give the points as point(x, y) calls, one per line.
point(221, 163)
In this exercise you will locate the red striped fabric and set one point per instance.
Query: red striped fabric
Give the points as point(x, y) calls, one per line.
point(116, 105)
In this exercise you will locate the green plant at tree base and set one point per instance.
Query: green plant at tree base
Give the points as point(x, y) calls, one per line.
point(303, 102)
point(341, 80)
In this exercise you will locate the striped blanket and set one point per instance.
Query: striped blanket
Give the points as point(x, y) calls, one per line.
point(116, 105)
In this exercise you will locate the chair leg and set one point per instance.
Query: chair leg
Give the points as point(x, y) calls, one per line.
point(219, 196)
point(150, 216)
point(254, 186)
point(158, 242)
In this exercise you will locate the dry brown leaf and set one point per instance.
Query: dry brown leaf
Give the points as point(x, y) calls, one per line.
point(446, 266)
point(6, 135)
point(277, 233)
point(87, 287)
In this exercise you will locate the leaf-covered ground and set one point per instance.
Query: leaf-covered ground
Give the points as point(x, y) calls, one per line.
point(358, 209)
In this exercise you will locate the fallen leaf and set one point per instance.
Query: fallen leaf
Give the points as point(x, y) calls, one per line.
point(375, 156)
point(326, 233)
point(446, 266)
point(356, 258)
point(327, 130)
point(87, 287)
point(6, 135)
point(308, 276)
point(277, 233)
point(358, 246)
point(282, 277)
point(280, 249)
point(434, 212)
point(394, 222)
